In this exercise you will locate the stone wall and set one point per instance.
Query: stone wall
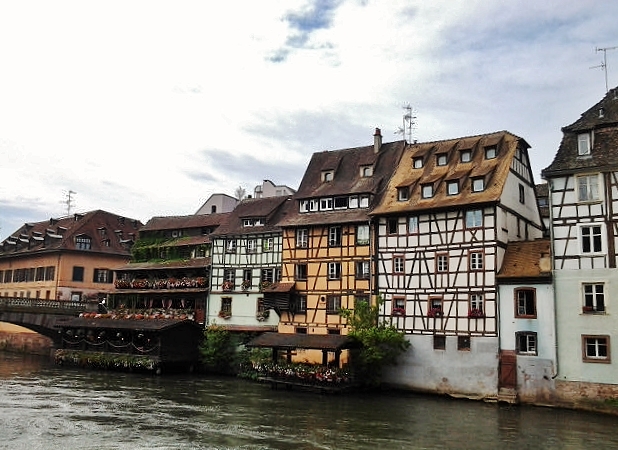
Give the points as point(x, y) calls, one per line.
point(25, 342)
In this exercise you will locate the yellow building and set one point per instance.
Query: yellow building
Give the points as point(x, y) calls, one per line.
point(69, 258)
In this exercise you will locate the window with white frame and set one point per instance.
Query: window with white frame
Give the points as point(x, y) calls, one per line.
point(526, 343)
point(364, 201)
point(333, 304)
point(334, 236)
point(313, 204)
point(594, 297)
point(478, 184)
point(591, 238)
point(103, 276)
point(230, 246)
point(465, 156)
point(474, 218)
point(476, 260)
point(304, 206)
point(476, 303)
point(417, 163)
point(596, 349)
point(326, 204)
point(403, 193)
point(442, 262)
point(353, 202)
point(398, 264)
point(302, 238)
point(251, 245)
point(412, 224)
point(490, 152)
point(268, 244)
point(441, 159)
point(341, 202)
point(362, 270)
point(362, 235)
point(588, 188)
point(583, 144)
point(525, 303)
point(83, 242)
point(427, 191)
point(452, 187)
point(268, 275)
point(334, 270)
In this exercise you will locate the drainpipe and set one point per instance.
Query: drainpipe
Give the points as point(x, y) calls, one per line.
point(553, 275)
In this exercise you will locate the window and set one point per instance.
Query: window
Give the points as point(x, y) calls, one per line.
point(413, 225)
point(230, 246)
point(268, 244)
point(313, 205)
point(78, 273)
point(362, 270)
point(229, 276)
point(594, 297)
point(392, 225)
point(398, 264)
point(327, 176)
point(300, 272)
point(403, 193)
point(476, 304)
point(247, 278)
point(341, 202)
point(525, 303)
point(476, 261)
point(417, 163)
point(334, 271)
point(478, 184)
point(226, 306)
point(490, 152)
point(353, 202)
point(304, 206)
point(442, 262)
point(588, 188)
point(302, 238)
point(103, 276)
point(333, 304)
point(366, 171)
point(474, 218)
point(463, 343)
point(301, 303)
point(50, 273)
point(522, 194)
point(465, 156)
point(583, 144)
point(326, 204)
point(260, 309)
point(334, 236)
point(439, 342)
point(452, 187)
point(596, 349)
point(362, 235)
point(364, 201)
point(82, 243)
point(591, 240)
point(8, 276)
point(427, 190)
point(251, 245)
point(399, 306)
point(525, 343)
point(441, 159)
point(358, 299)
point(268, 275)
point(40, 274)
point(247, 223)
point(300, 330)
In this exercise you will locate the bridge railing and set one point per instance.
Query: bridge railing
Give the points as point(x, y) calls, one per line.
point(8, 303)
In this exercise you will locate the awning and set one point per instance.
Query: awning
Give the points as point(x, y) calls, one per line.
point(290, 341)
point(278, 287)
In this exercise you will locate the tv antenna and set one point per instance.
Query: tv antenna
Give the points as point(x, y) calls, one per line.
point(409, 122)
point(69, 201)
point(603, 64)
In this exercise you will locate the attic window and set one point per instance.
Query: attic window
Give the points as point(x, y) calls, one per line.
point(441, 159)
point(427, 191)
point(327, 176)
point(83, 242)
point(341, 202)
point(583, 144)
point(403, 194)
point(176, 233)
point(490, 152)
point(366, 171)
point(417, 163)
point(452, 187)
point(465, 156)
point(478, 184)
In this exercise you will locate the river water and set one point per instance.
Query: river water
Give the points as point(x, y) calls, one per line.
point(43, 406)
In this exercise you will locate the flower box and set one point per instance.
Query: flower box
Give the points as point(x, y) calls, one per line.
point(225, 314)
point(245, 285)
point(435, 312)
point(227, 286)
point(399, 312)
point(476, 314)
point(587, 309)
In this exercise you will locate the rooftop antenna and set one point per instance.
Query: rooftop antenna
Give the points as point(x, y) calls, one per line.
point(69, 201)
point(409, 122)
point(603, 65)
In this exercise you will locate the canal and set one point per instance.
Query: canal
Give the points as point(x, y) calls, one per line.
point(43, 406)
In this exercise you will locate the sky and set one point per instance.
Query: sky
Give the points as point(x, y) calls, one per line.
point(147, 108)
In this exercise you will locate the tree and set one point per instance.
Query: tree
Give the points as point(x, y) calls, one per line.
point(379, 343)
point(240, 193)
point(218, 351)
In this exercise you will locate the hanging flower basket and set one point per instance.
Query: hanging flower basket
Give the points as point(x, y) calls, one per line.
point(435, 312)
point(227, 286)
point(476, 314)
point(399, 312)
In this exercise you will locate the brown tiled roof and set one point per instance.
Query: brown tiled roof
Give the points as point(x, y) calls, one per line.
point(184, 222)
point(269, 209)
point(604, 151)
point(108, 233)
point(305, 341)
point(279, 287)
point(494, 171)
point(526, 260)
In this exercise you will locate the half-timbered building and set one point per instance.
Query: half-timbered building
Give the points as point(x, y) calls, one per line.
point(443, 225)
point(246, 266)
point(327, 238)
point(583, 193)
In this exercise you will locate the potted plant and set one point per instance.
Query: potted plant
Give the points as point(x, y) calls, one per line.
point(265, 285)
point(245, 285)
point(262, 315)
point(476, 313)
point(227, 285)
point(398, 311)
point(435, 312)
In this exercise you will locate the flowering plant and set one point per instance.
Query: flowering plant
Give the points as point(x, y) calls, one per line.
point(225, 314)
point(399, 311)
point(476, 313)
point(227, 285)
point(245, 285)
point(262, 315)
point(435, 312)
point(265, 285)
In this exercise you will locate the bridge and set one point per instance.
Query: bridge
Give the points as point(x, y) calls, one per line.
point(42, 316)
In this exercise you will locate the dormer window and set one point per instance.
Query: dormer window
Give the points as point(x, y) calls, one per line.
point(441, 159)
point(490, 152)
point(583, 144)
point(452, 187)
point(176, 233)
point(478, 184)
point(427, 191)
point(327, 176)
point(418, 163)
point(465, 156)
point(83, 242)
point(403, 194)
point(364, 201)
point(326, 204)
point(366, 171)
point(304, 206)
point(341, 202)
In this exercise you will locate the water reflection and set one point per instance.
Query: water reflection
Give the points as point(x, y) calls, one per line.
point(48, 407)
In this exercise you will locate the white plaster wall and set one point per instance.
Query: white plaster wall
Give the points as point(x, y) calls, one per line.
point(450, 371)
point(244, 308)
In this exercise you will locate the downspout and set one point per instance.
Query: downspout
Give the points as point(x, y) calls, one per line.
point(553, 275)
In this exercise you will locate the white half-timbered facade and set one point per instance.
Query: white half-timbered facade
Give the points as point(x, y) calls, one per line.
point(442, 228)
point(246, 262)
point(583, 192)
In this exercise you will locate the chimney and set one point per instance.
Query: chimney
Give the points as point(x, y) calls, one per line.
point(377, 140)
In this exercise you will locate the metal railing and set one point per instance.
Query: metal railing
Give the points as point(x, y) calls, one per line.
point(33, 304)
